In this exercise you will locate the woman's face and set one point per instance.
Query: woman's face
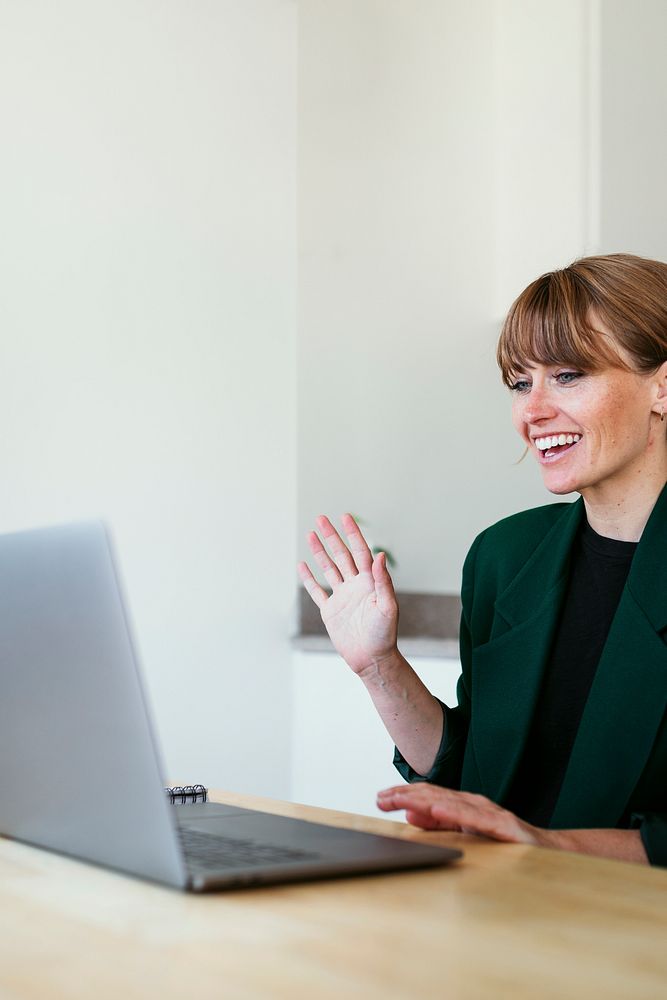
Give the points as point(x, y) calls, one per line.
point(588, 431)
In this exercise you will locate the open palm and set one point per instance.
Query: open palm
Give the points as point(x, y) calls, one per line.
point(361, 613)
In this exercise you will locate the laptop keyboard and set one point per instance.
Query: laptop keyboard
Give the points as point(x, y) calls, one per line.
point(214, 851)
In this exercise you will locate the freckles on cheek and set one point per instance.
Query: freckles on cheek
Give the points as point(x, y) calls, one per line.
point(518, 422)
point(613, 420)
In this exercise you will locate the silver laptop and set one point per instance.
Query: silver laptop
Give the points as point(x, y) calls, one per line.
point(80, 769)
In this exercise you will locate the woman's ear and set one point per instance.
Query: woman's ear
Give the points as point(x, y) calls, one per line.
point(660, 404)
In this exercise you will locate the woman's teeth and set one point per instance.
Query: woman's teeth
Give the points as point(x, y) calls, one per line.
point(556, 439)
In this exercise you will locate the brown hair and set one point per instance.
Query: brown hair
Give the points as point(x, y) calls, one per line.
point(553, 320)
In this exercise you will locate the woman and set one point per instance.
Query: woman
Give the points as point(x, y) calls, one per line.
point(559, 737)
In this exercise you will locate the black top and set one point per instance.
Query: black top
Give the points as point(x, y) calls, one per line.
point(598, 571)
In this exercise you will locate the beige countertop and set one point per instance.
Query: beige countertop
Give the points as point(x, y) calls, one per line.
point(506, 921)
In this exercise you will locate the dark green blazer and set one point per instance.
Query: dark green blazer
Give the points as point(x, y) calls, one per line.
point(514, 581)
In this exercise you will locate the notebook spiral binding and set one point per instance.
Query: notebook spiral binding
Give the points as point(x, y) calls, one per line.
point(182, 795)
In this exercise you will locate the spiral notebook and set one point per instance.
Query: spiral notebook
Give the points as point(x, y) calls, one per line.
point(75, 724)
point(186, 795)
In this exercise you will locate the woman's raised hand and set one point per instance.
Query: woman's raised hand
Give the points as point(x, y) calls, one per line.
point(361, 613)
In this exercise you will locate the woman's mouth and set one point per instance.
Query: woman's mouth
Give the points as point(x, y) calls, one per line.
point(553, 446)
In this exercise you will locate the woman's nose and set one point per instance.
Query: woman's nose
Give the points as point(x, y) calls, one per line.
point(538, 406)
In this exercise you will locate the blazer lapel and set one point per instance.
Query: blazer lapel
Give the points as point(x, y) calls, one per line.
point(628, 697)
point(507, 670)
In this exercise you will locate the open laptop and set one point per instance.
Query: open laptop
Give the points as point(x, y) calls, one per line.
point(80, 769)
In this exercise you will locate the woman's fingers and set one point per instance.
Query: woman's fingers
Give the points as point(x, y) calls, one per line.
point(422, 810)
point(331, 572)
point(418, 808)
point(432, 808)
point(340, 552)
point(318, 594)
point(416, 797)
point(430, 801)
point(358, 545)
point(337, 561)
point(384, 588)
point(484, 818)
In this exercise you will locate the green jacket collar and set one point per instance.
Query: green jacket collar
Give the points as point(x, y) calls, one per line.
point(545, 572)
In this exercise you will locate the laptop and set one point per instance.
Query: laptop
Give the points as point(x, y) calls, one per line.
point(81, 771)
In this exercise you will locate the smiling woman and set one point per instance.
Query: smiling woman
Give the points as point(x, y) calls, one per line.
point(559, 737)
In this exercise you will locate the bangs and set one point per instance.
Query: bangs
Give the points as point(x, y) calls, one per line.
point(551, 324)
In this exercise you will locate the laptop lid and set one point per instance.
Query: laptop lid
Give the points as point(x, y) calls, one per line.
point(74, 726)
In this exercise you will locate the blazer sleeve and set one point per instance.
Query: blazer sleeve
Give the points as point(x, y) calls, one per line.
point(448, 763)
point(653, 831)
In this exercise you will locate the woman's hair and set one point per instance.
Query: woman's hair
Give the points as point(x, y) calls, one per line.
point(553, 322)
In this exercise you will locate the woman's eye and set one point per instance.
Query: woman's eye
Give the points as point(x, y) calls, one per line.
point(566, 378)
point(521, 385)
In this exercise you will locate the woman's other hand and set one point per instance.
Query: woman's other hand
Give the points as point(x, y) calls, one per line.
point(434, 808)
point(361, 613)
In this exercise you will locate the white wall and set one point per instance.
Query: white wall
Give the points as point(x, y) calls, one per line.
point(633, 137)
point(442, 165)
point(147, 307)
point(543, 91)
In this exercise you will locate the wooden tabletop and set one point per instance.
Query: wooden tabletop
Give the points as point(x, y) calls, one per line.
point(506, 921)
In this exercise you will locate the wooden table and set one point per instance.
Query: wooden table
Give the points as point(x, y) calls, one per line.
point(507, 921)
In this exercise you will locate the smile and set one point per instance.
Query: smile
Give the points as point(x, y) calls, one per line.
point(556, 440)
point(555, 445)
